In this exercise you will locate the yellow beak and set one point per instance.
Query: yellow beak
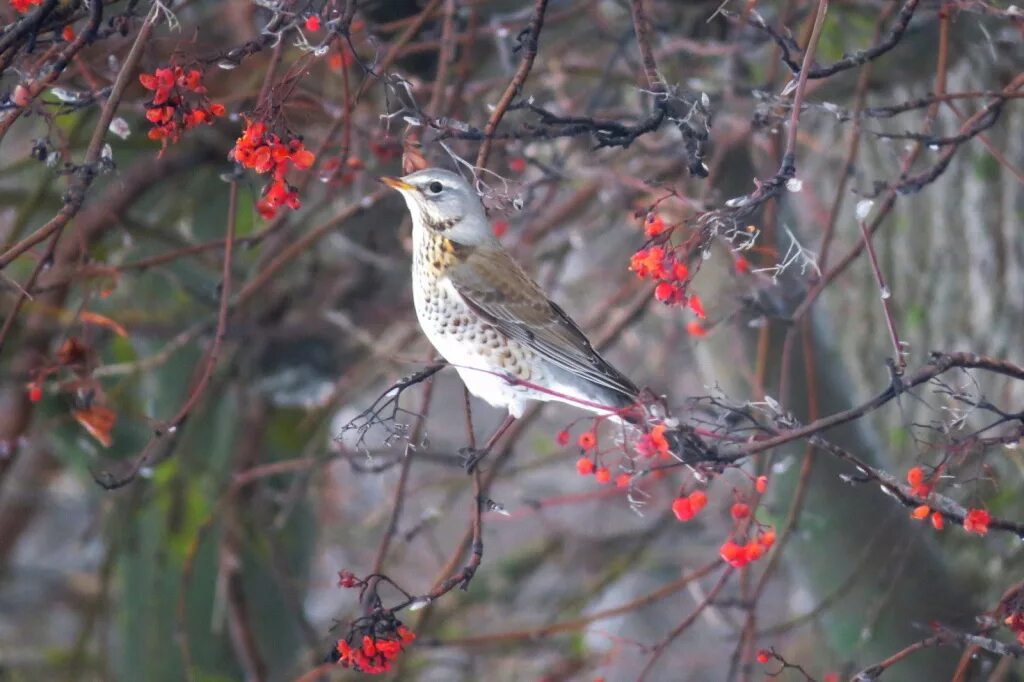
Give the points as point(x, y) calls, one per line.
point(395, 183)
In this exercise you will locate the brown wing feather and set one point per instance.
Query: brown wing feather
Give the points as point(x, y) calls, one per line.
point(494, 286)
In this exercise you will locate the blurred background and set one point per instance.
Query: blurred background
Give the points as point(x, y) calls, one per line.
point(236, 494)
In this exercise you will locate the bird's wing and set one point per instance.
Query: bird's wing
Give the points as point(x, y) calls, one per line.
point(496, 288)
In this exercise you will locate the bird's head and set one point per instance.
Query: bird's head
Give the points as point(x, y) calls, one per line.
point(443, 202)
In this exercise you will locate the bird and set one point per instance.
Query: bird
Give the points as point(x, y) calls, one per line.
point(510, 344)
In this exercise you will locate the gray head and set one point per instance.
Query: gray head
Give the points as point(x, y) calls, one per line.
point(443, 202)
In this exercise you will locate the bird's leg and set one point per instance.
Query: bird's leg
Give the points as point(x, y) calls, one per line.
point(474, 456)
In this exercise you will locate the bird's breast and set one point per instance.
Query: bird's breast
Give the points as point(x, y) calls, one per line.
point(458, 332)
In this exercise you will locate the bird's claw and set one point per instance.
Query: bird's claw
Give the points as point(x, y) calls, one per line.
point(471, 457)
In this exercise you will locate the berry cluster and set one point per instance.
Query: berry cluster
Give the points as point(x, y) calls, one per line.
point(920, 486)
point(665, 263)
point(685, 508)
point(265, 152)
point(22, 6)
point(170, 110)
point(585, 466)
point(656, 262)
point(739, 555)
point(653, 443)
point(921, 512)
point(976, 521)
point(1015, 621)
point(736, 554)
point(602, 474)
point(373, 654)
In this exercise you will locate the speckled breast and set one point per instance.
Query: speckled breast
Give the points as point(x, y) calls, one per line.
point(453, 328)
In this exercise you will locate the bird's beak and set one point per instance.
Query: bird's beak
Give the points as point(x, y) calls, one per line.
point(396, 183)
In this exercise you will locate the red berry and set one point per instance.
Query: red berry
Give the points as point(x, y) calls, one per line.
point(602, 475)
point(664, 292)
point(21, 96)
point(977, 521)
point(313, 23)
point(696, 306)
point(740, 511)
point(683, 509)
point(733, 554)
point(694, 328)
point(584, 466)
point(653, 226)
point(346, 579)
point(698, 499)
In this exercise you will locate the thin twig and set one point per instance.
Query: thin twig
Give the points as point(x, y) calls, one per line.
point(886, 295)
point(529, 41)
point(663, 645)
point(109, 480)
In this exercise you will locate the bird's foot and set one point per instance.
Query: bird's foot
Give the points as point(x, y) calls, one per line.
point(471, 457)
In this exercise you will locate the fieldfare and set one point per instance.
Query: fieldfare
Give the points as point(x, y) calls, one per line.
point(508, 341)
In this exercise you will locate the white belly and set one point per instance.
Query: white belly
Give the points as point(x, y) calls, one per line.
point(483, 377)
point(470, 347)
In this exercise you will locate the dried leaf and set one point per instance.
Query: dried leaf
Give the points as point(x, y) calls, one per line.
point(98, 421)
point(103, 321)
point(412, 152)
point(72, 351)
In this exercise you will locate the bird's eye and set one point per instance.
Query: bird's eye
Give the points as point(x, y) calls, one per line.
point(435, 187)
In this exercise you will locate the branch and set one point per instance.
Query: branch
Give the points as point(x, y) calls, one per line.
point(787, 46)
point(86, 173)
point(111, 481)
point(661, 646)
point(388, 402)
point(542, 631)
point(642, 28)
point(939, 364)
point(529, 40)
